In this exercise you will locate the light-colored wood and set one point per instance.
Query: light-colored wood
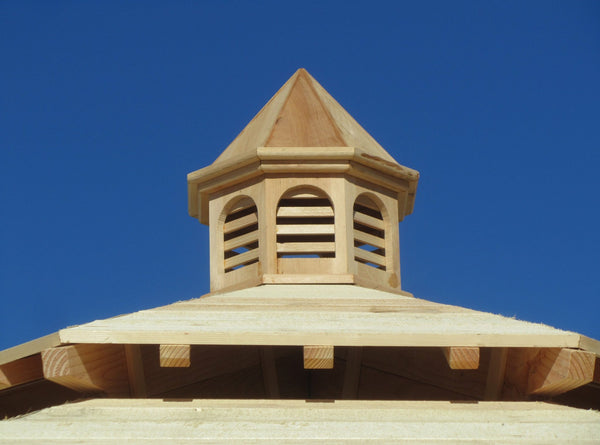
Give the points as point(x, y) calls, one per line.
point(367, 238)
point(307, 279)
point(135, 371)
point(305, 247)
point(240, 223)
point(88, 368)
point(462, 357)
point(405, 321)
point(368, 221)
point(242, 258)
point(369, 257)
point(352, 373)
point(496, 371)
point(318, 357)
point(589, 344)
point(244, 204)
point(300, 115)
point(304, 212)
point(556, 371)
point(21, 371)
point(240, 241)
point(546, 371)
point(174, 356)
point(303, 120)
point(29, 348)
point(269, 371)
point(289, 154)
point(157, 421)
point(305, 229)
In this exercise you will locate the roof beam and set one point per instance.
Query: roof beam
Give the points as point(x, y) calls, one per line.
point(135, 371)
point(174, 356)
point(555, 371)
point(496, 373)
point(546, 371)
point(21, 371)
point(462, 357)
point(88, 368)
point(318, 357)
point(269, 371)
point(352, 373)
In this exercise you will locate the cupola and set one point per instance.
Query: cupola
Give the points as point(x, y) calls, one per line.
point(303, 195)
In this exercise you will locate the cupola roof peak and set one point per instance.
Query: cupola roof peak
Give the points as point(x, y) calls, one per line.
point(304, 126)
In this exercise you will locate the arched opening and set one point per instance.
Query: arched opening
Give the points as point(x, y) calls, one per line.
point(369, 233)
point(240, 235)
point(305, 224)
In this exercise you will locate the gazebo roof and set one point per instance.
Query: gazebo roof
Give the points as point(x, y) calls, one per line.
point(341, 315)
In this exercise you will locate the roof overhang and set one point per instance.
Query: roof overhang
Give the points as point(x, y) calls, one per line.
point(304, 160)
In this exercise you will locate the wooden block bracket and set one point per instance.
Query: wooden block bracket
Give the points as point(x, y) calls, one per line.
point(318, 357)
point(555, 371)
point(547, 372)
point(175, 356)
point(462, 357)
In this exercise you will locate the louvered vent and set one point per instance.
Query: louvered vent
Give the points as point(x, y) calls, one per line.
point(369, 233)
point(240, 236)
point(305, 225)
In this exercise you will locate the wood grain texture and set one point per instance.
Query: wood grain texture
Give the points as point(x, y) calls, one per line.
point(496, 372)
point(21, 371)
point(88, 368)
point(303, 120)
point(318, 357)
point(352, 373)
point(174, 356)
point(462, 357)
point(135, 371)
point(546, 371)
point(29, 348)
point(269, 371)
point(555, 371)
point(284, 314)
point(156, 421)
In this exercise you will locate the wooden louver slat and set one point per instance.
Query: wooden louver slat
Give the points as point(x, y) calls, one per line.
point(240, 236)
point(369, 234)
point(305, 226)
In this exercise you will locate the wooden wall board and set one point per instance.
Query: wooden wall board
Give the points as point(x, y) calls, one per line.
point(103, 421)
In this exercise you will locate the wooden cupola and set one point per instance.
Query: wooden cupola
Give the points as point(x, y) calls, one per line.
point(303, 195)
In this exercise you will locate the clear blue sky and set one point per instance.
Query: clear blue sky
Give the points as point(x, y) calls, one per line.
point(106, 106)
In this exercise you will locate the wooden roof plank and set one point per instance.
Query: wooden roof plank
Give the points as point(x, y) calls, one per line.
point(297, 421)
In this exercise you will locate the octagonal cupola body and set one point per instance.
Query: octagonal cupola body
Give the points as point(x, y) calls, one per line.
point(303, 195)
